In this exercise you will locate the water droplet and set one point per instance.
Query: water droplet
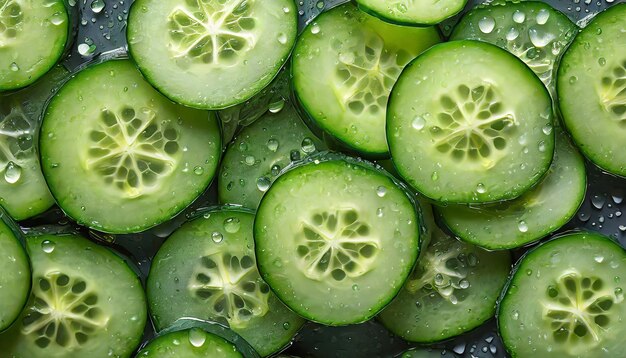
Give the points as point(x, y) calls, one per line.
point(434, 176)
point(320, 5)
point(12, 173)
point(486, 24)
point(519, 16)
point(315, 29)
point(480, 188)
point(472, 259)
point(286, 10)
point(453, 299)
point(197, 337)
point(573, 80)
point(619, 293)
point(547, 129)
point(57, 18)
point(622, 228)
point(14, 67)
point(232, 225)
point(529, 272)
point(198, 170)
point(272, 144)
point(598, 201)
point(598, 258)
point(282, 38)
point(522, 226)
point(515, 315)
point(584, 217)
point(263, 184)
point(47, 246)
point(85, 49)
point(97, 6)
point(275, 170)
point(355, 287)
point(308, 146)
point(286, 326)
point(381, 191)
point(277, 106)
point(459, 348)
point(540, 38)
point(243, 146)
point(217, 237)
point(294, 156)
point(464, 284)
point(512, 34)
point(542, 16)
point(379, 212)
point(278, 262)
point(418, 123)
point(542, 146)
point(250, 160)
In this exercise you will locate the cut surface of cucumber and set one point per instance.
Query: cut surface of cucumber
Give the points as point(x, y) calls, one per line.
point(126, 159)
point(533, 31)
point(468, 122)
point(591, 88)
point(207, 270)
point(344, 66)
point(23, 189)
point(566, 299)
point(259, 154)
point(412, 12)
point(85, 302)
point(453, 289)
point(15, 279)
point(33, 36)
point(335, 239)
point(211, 54)
point(191, 343)
point(537, 213)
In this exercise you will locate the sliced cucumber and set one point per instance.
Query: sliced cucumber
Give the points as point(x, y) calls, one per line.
point(533, 31)
point(412, 12)
point(469, 122)
point(566, 299)
point(118, 156)
point(23, 192)
point(191, 343)
point(591, 87)
point(453, 289)
point(344, 66)
point(85, 302)
point(207, 270)
point(211, 54)
point(335, 239)
point(540, 211)
point(33, 36)
point(15, 278)
point(259, 153)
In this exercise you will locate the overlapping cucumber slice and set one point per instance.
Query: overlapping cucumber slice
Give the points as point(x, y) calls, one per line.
point(412, 12)
point(453, 289)
point(85, 302)
point(15, 280)
point(190, 343)
point(470, 123)
point(537, 213)
point(207, 269)
point(566, 299)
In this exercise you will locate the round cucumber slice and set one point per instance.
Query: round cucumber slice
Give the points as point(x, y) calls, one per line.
point(119, 157)
point(33, 36)
point(591, 87)
point(412, 12)
point(191, 343)
point(23, 190)
point(540, 211)
point(211, 54)
point(344, 66)
point(470, 123)
point(15, 279)
point(453, 289)
point(207, 270)
point(85, 302)
point(260, 152)
point(566, 299)
point(533, 31)
point(335, 239)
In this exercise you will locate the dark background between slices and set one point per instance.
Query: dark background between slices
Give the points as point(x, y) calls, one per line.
point(604, 209)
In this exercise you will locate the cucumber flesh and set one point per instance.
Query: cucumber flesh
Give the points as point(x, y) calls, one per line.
point(344, 65)
point(533, 31)
point(540, 211)
point(33, 37)
point(592, 90)
point(566, 299)
point(470, 123)
point(191, 343)
point(412, 12)
point(453, 289)
point(15, 279)
point(335, 239)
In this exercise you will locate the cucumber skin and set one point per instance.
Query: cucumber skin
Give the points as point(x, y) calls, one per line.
point(401, 22)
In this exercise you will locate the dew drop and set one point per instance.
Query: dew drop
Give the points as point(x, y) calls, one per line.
point(547, 129)
point(515, 315)
point(197, 337)
point(480, 188)
point(573, 80)
point(263, 184)
point(12, 173)
point(198, 170)
point(519, 16)
point(250, 160)
point(459, 348)
point(381, 191)
point(315, 29)
point(57, 19)
point(598, 258)
point(272, 144)
point(512, 34)
point(286, 326)
point(418, 123)
point(278, 263)
point(282, 38)
point(97, 6)
point(601, 61)
point(277, 106)
point(542, 16)
point(598, 201)
point(308, 146)
point(486, 24)
point(355, 287)
point(47, 246)
point(14, 67)
point(464, 284)
point(232, 225)
point(542, 146)
point(434, 176)
point(217, 237)
point(522, 226)
point(379, 212)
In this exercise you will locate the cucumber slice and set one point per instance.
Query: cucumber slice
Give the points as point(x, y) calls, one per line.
point(207, 270)
point(533, 31)
point(85, 302)
point(33, 37)
point(259, 153)
point(470, 123)
point(537, 213)
point(344, 66)
point(591, 87)
point(453, 289)
point(211, 54)
point(566, 299)
point(190, 343)
point(121, 158)
point(15, 278)
point(23, 192)
point(412, 12)
point(335, 239)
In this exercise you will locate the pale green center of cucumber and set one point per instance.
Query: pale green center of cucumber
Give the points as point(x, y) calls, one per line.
point(366, 73)
point(231, 287)
point(401, 6)
point(215, 32)
point(132, 149)
point(64, 313)
point(11, 18)
point(16, 141)
point(472, 125)
point(613, 92)
point(578, 309)
point(334, 245)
